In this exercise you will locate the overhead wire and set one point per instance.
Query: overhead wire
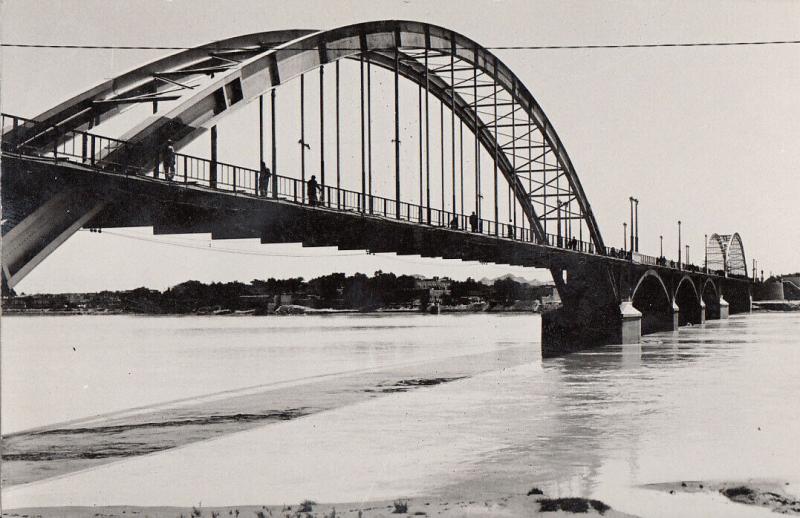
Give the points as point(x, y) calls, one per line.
point(497, 47)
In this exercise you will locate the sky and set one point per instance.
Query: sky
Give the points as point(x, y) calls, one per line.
point(704, 135)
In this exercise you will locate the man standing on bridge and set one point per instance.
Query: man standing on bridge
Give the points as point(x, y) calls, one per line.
point(168, 161)
point(263, 179)
point(313, 188)
point(473, 221)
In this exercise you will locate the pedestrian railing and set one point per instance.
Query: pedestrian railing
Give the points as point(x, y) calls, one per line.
point(27, 137)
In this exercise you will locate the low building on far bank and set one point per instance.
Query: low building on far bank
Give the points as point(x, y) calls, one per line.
point(551, 300)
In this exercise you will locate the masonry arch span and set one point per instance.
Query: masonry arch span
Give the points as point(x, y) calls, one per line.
point(651, 297)
point(688, 301)
point(710, 296)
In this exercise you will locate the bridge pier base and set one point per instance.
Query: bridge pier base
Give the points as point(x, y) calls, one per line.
point(702, 312)
point(724, 308)
point(566, 330)
point(590, 312)
point(676, 317)
point(631, 323)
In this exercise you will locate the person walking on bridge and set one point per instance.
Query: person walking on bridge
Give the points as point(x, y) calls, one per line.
point(454, 222)
point(263, 179)
point(313, 189)
point(168, 161)
point(473, 221)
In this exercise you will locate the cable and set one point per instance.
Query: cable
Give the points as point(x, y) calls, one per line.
point(222, 250)
point(246, 252)
point(500, 47)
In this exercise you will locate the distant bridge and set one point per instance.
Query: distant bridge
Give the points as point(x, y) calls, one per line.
point(442, 195)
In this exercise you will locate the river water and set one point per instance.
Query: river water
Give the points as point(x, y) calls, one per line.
point(712, 402)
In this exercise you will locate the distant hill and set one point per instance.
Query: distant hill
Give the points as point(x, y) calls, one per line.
point(522, 280)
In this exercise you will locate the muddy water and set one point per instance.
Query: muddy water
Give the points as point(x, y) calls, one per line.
point(712, 402)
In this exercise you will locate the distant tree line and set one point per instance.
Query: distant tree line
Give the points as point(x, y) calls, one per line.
point(337, 291)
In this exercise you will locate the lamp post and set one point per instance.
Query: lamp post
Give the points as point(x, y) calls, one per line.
point(631, 200)
point(661, 246)
point(687, 256)
point(679, 244)
point(705, 238)
point(625, 236)
point(636, 207)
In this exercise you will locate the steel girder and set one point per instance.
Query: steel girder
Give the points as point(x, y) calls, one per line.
point(103, 101)
point(241, 69)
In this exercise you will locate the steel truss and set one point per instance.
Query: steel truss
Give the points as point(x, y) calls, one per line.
point(726, 253)
point(207, 83)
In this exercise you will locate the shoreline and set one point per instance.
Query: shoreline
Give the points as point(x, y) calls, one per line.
point(534, 504)
point(307, 312)
point(771, 494)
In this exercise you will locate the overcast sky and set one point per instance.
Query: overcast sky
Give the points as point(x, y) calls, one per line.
point(705, 135)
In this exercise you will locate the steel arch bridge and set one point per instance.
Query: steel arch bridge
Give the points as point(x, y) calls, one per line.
point(481, 91)
point(192, 91)
point(726, 254)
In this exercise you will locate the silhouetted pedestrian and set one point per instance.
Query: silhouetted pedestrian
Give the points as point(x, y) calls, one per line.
point(313, 189)
point(511, 231)
point(454, 222)
point(263, 179)
point(168, 161)
point(473, 222)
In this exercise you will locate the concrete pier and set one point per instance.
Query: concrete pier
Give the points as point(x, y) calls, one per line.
point(676, 317)
point(631, 323)
point(724, 308)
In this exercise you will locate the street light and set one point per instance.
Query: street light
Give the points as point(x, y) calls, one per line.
point(679, 244)
point(705, 237)
point(687, 255)
point(625, 236)
point(637, 225)
point(661, 247)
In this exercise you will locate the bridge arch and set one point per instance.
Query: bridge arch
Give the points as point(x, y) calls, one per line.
point(651, 297)
point(726, 254)
point(242, 69)
point(710, 296)
point(688, 300)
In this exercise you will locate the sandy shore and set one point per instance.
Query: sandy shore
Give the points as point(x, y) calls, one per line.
point(59, 449)
point(532, 505)
point(773, 495)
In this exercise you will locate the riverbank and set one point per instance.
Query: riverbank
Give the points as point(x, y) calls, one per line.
point(777, 305)
point(770, 494)
point(532, 505)
point(289, 309)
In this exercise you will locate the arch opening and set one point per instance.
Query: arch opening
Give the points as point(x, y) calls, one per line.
point(688, 303)
point(652, 299)
point(711, 300)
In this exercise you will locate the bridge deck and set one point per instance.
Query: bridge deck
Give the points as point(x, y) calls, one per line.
point(174, 207)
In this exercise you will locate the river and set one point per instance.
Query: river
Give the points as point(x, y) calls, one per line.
point(398, 405)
